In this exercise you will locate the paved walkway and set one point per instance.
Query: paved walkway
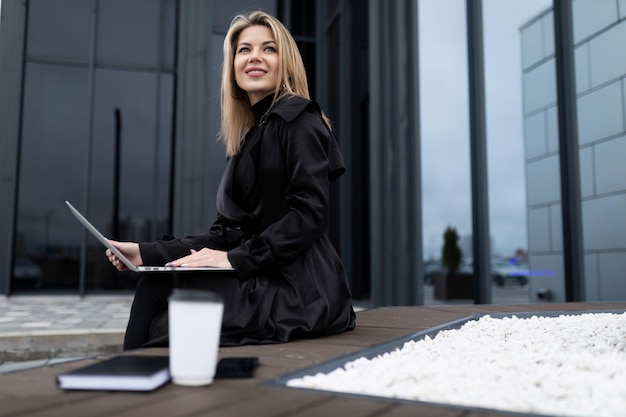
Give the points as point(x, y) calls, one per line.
point(37, 330)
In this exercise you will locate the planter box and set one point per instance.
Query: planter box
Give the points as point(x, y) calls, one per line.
point(459, 286)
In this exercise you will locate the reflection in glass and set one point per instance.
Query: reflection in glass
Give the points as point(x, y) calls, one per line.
point(532, 44)
point(85, 126)
point(131, 144)
point(591, 16)
point(600, 114)
point(544, 175)
point(53, 149)
point(609, 160)
point(59, 30)
point(605, 62)
point(535, 133)
point(540, 86)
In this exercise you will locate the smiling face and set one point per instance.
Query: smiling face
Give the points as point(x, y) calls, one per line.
point(256, 62)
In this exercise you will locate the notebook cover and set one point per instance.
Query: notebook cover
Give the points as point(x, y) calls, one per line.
point(121, 373)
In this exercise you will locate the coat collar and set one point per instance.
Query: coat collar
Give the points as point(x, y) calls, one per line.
point(289, 107)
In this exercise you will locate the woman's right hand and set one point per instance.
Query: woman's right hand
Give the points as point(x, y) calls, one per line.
point(129, 249)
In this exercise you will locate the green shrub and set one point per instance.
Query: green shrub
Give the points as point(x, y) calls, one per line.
point(451, 252)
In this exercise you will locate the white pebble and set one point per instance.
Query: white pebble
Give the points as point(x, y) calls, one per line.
point(571, 365)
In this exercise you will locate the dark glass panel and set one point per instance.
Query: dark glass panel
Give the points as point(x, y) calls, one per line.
point(129, 32)
point(52, 169)
point(60, 30)
point(301, 18)
point(65, 152)
point(132, 128)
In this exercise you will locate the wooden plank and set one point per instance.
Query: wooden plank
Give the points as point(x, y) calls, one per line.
point(34, 382)
point(425, 410)
point(174, 401)
point(407, 317)
point(489, 414)
point(338, 406)
point(33, 404)
point(363, 337)
point(230, 401)
point(104, 404)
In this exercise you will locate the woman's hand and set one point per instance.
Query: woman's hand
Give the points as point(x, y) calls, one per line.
point(129, 249)
point(203, 257)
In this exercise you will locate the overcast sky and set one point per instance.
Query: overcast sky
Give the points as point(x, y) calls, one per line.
point(446, 188)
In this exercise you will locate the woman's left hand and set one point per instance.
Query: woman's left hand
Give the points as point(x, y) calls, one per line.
point(203, 257)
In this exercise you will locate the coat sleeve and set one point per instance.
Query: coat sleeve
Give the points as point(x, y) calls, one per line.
point(305, 144)
point(222, 236)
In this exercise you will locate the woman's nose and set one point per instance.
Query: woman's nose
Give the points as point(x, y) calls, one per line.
point(255, 55)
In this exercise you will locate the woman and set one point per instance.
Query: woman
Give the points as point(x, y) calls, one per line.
point(273, 207)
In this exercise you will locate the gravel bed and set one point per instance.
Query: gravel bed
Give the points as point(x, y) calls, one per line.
point(570, 365)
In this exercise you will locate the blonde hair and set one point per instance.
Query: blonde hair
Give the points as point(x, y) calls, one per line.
point(237, 116)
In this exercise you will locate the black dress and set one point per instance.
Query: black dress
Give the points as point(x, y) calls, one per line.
point(273, 211)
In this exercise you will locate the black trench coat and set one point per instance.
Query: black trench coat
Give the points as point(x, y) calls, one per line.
point(273, 210)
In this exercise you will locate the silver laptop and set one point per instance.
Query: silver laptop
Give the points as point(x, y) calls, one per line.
point(125, 260)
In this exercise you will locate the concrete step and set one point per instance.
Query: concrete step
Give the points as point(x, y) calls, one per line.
point(20, 346)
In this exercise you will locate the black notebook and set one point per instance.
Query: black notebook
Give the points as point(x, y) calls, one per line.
point(121, 373)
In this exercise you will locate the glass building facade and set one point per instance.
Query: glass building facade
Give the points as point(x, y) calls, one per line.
point(96, 129)
point(599, 30)
point(113, 105)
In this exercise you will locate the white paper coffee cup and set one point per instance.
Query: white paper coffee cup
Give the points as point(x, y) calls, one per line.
point(195, 322)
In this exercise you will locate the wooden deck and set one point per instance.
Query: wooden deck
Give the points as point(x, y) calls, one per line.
point(34, 393)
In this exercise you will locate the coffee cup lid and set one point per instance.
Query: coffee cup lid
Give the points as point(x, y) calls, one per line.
point(187, 294)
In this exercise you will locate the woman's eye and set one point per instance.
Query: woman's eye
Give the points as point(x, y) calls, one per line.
point(243, 49)
point(270, 49)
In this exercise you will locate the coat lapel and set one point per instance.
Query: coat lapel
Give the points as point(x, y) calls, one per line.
point(239, 172)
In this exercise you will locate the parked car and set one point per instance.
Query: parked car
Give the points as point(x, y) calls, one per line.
point(27, 274)
point(503, 271)
point(434, 268)
point(431, 270)
point(506, 271)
